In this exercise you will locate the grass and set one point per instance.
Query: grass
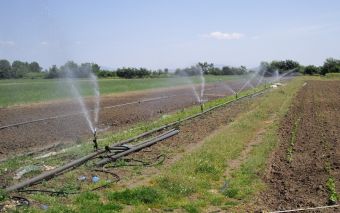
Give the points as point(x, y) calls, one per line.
point(333, 75)
point(24, 91)
point(333, 196)
point(194, 182)
point(145, 195)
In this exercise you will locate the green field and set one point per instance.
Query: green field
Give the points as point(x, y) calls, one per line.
point(23, 91)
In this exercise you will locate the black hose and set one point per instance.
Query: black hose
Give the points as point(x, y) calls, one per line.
point(156, 161)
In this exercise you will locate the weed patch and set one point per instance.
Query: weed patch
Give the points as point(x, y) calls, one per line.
point(142, 195)
point(293, 140)
point(333, 196)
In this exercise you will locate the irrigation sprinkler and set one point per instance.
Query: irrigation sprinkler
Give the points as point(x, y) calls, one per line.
point(236, 95)
point(95, 146)
point(202, 106)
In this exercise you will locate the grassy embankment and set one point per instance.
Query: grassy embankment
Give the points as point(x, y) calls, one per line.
point(23, 91)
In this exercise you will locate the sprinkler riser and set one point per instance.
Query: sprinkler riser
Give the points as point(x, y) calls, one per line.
point(95, 146)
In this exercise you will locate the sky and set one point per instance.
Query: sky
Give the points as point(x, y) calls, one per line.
point(169, 33)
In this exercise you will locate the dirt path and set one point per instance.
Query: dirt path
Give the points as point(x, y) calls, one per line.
point(313, 124)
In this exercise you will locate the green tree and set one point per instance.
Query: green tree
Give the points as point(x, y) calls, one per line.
point(206, 67)
point(34, 67)
point(266, 69)
point(330, 65)
point(5, 69)
point(310, 70)
point(53, 72)
point(70, 69)
point(284, 66)
point(95, 68)
point(19, 69)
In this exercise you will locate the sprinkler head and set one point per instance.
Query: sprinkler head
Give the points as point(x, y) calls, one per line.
point(236, 95)
point(202, 108)
point(95, 132)
point(95, 145)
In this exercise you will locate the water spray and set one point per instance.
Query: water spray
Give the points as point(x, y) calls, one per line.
point(95, 146)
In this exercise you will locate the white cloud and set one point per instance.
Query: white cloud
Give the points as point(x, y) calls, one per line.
point(7, 43)
point(225, 36)
point(44, 43)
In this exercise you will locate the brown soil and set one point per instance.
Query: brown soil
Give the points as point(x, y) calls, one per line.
point(33, 136)
point(302, 182)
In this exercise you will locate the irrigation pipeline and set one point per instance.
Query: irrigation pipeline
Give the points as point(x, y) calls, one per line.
point(80, 113)
point(138, 147)
point(52, 173)
point(73, 164)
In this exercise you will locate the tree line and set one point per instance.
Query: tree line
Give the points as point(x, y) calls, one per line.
point(330, 65)
point(209, 69)
point(83, 70)
point(19, 69)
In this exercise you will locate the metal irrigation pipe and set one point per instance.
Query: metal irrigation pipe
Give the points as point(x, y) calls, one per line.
point(50, 174)
point(138, 147)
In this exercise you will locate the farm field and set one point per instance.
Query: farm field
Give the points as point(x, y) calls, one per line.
point(170, 106)
point(25, 91)
point(65, 123)
point(305, 169)
point(252, 155)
